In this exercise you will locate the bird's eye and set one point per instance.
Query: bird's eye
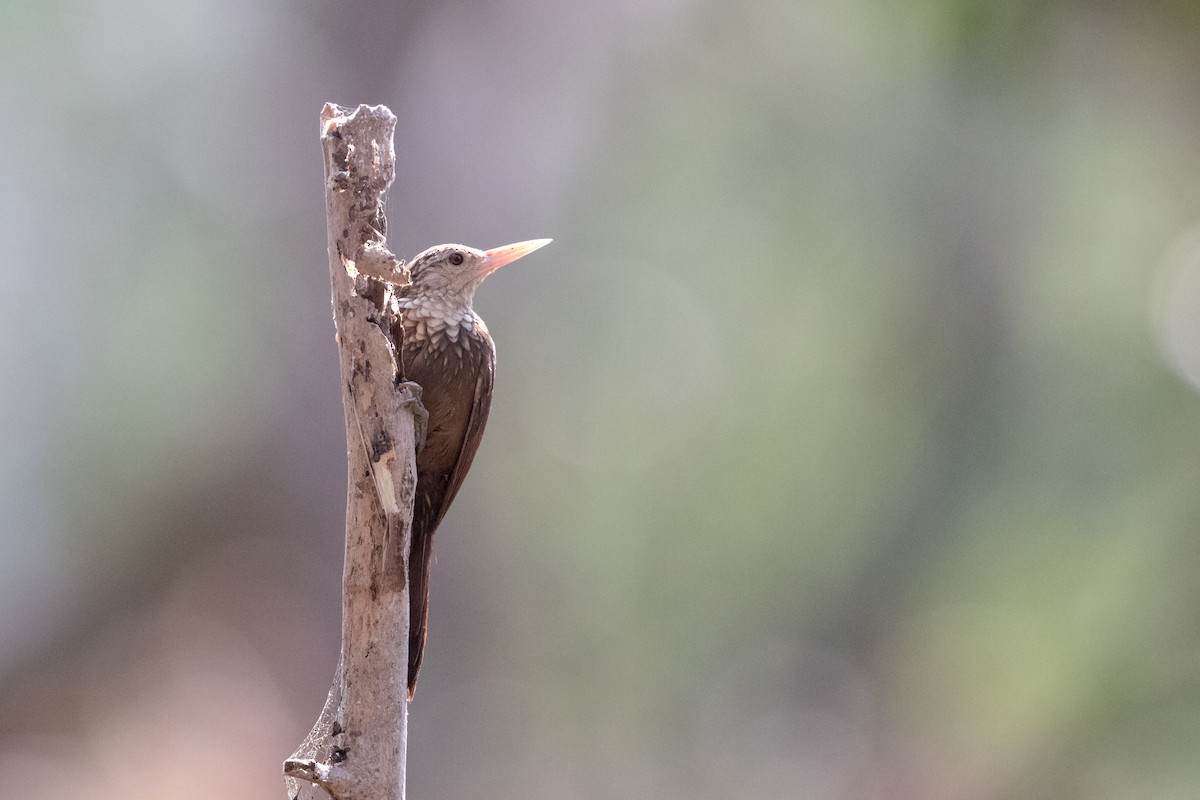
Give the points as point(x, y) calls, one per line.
point(456, 258)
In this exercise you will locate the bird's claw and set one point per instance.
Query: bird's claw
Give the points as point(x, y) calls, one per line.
point(410, 392)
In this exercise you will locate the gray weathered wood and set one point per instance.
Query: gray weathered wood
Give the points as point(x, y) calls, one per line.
point(356, 750)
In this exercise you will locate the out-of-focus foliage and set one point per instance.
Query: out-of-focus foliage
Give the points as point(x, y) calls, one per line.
point(845, 442)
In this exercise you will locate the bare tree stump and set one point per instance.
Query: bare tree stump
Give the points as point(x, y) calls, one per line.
point(356, 750)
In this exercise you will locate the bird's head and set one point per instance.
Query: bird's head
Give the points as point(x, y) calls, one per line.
point(452, 272)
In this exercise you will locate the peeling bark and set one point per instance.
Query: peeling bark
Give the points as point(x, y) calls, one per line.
point(356, 750)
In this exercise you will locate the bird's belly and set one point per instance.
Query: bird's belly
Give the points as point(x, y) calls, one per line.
point(444, 435)
point(447, 392)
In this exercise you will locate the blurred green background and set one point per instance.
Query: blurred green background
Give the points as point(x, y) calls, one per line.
point(845, 442)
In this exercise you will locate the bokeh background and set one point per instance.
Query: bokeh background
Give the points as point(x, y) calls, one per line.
point(845, 442)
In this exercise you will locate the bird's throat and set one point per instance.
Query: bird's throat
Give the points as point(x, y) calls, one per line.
point(437, 321)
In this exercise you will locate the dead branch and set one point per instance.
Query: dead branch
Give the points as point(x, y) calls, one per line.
point(356, 750)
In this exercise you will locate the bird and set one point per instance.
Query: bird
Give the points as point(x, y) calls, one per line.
point(442, 345)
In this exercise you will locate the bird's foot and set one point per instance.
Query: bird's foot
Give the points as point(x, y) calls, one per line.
point(410, 392)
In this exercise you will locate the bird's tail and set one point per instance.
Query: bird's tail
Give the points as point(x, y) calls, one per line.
point(418, 613)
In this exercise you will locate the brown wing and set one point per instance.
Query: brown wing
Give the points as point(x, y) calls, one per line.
point(434, 494)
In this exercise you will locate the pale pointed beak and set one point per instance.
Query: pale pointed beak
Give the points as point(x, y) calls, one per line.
point(497, 257)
